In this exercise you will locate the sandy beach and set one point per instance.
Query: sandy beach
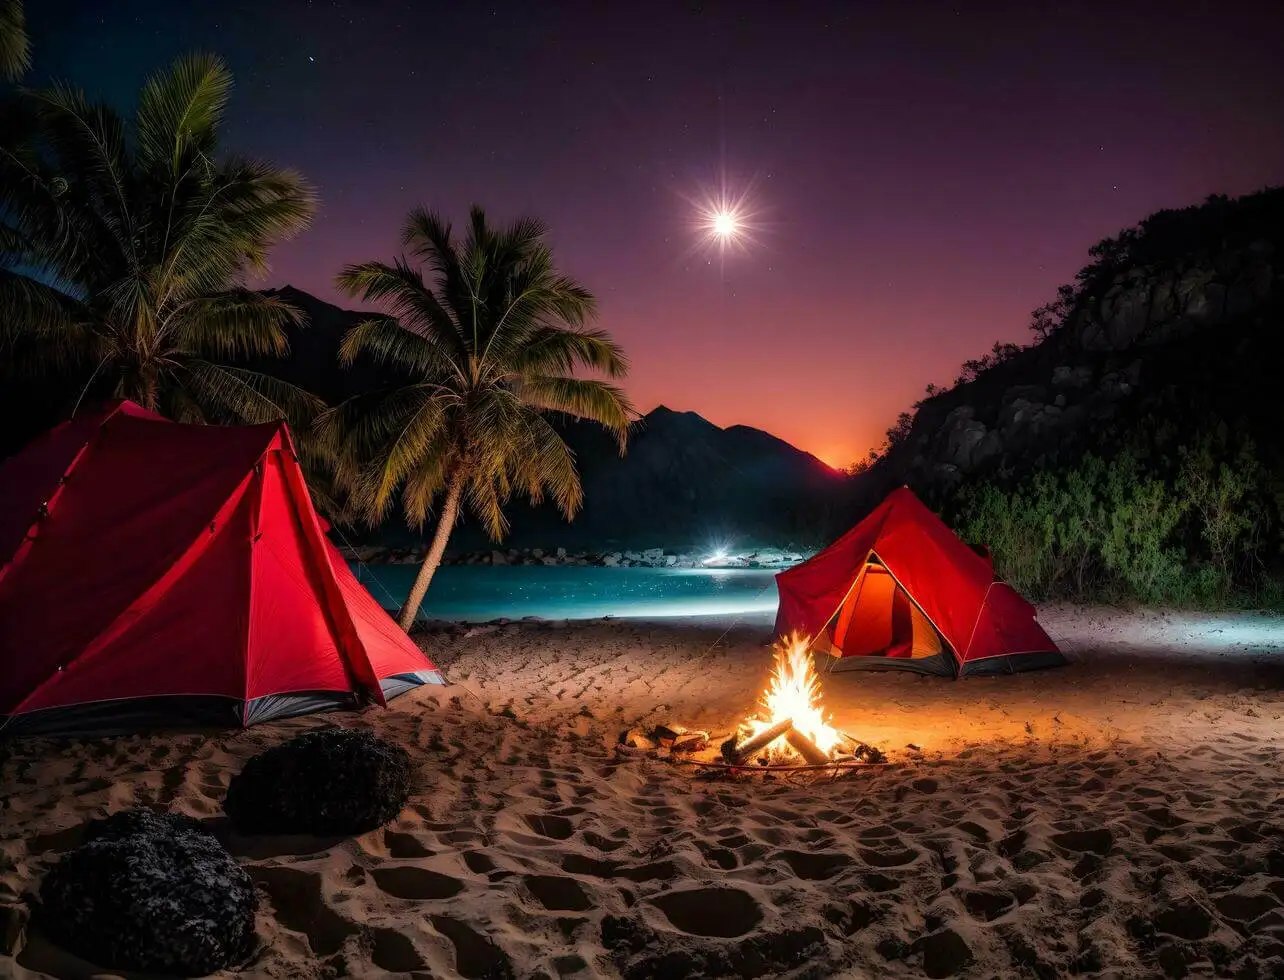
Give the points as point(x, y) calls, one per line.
point(1118, 817)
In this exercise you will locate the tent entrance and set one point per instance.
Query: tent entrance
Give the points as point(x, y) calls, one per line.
point(879, 626)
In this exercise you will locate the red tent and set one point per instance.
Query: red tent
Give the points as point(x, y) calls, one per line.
point(901, 590)
point(153, 573)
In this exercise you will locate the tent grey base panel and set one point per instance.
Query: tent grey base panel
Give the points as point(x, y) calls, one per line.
point(401, 683)
point(937, 665)
point(943, 664)
point(1013, 663)
point(133, 715)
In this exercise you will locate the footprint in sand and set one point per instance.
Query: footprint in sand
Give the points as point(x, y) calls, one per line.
point(719, 857)
point(416, 884)
point(1245, 908)
point(987, 906)
point(1092, 898)
point(478, 862)
point(550, 826)
point(944, 953)
point(881, 832)
point(888, 859)
point(300, 907)
point(1187, 920)
point(602, 843)
point(880, 883)
point(582, 864)
point(403, 847)
point(477, 957)
point(814, 866)
point(1090, 841)
point(721, 912)
point(557, 894)
point(394, 952)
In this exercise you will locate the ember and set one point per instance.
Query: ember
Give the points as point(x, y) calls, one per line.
point(792, 727)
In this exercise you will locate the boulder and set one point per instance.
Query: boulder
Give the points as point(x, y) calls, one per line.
point(333, 781)
point(611, 559)
point(1065, 376)
point(498, 558)
point(961, 440)
point(150, 892)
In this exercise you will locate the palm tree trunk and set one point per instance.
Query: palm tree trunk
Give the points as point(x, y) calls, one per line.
point(445, 524)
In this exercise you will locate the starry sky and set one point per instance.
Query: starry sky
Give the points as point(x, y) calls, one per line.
point(920, 175)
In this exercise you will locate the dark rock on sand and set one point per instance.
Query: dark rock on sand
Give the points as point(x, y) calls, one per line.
point(130, 823)
point(150, 892)
point(334, 781)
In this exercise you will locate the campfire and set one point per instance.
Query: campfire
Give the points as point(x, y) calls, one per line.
point(791, 728)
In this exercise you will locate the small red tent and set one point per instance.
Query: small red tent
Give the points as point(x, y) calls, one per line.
point(153, 573)
point(901, 590)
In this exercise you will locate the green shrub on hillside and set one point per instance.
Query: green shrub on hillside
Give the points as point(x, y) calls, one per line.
point(1134, 528)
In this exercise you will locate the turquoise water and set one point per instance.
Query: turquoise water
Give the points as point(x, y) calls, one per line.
point(479, 592)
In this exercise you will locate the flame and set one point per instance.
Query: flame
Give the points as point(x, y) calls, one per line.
point(794, 692)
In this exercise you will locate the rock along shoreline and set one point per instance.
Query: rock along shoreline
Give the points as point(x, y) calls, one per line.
point(761, 558)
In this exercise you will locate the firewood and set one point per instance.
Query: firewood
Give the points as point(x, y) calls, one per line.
point(635, 739)
point(763, 739)
point(691, 741)
point(806, 748)
point(663, 733)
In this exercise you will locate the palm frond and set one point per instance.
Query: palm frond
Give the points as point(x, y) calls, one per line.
point(43, 330)
point(550, 349)
point(584, 398)
point(401, 290)
point(234, 325)
point(547, 465)
point(179, 112)
point(88, 140)
point(232, 394)
point(384, 341)
point(15, 48)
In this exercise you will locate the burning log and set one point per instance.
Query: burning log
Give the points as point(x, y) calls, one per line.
point(806, 748)
point(747, 750)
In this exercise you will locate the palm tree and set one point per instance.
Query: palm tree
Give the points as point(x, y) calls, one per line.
point(15, 49)
point(487, 349)
point(124, 250)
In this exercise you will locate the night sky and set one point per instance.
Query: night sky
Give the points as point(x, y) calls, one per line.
point(922, 175)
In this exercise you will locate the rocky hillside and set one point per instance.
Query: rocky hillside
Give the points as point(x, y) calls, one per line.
point(685, 483)
point(1176, 325)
